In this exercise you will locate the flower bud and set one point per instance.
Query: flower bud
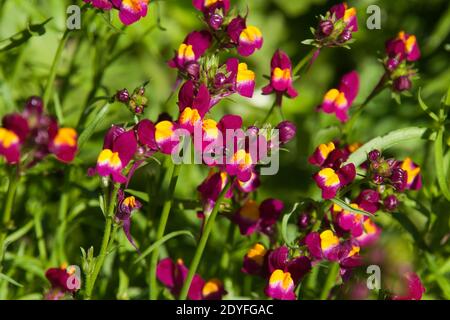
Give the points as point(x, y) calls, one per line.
point(287, 131)
point(374, 155)
point(402, 83)
point(392, 64)
point(345, 36)
point(215, 21)
point(378, 179)
point(193, 69)
point(399, 179)
point(219, 80)
point(123, 95)
point(33, 106)
point(326, 27)
point(390, 202)
point(304, 220)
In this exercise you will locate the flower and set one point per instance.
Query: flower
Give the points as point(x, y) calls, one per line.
point(255, 260)
point(252, 217)
point(371, 233)
point(130, 11)
point(414, 288)
point(241, 78)
point(286, 131)
point(281, 286)
point(62, 280)
point(211, 188)
point(213, 11)
point(119, 149)
point(340, 100)
point(330, 181)
point(192, 48)
point(281, 76)
point(241, 165)
point(414, 178)
point(165, 136)
point(193, 104)
point(348, 221)
point(368, 200)
point(402, 47)
point(173, 274)
point(36, 134)
point(125, 207)
point(246, 38)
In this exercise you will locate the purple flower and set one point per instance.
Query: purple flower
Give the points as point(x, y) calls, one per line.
point(404, 46)
point(340, 100)
point(281, 76)
point(330, 181)
point(414, 288)
point(247, 39)
point(125, 207)
point(192, 48)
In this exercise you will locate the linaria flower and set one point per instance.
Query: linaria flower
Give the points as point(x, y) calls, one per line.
point(414, 288)
point(414, 180)
point(130, 11)
point(192, 48)
point(281, 76)
point(281, 286)
point(330, 180)
point(339, 101)
point(246, 38)
point(125, 207)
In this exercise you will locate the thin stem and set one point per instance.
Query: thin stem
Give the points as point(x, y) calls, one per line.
point(40, 236)
point(276, 103)
point(7, 209)
point(302, 62)
point(330, 281)
point(202, 243)
point(104, 247)
point(161, 229)
point(56, 60)
point(375, 92)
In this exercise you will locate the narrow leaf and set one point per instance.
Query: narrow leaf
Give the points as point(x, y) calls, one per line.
point(344, 205)
point(10, 280)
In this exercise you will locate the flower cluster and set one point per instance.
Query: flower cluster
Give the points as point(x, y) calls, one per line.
point(333, 175)
point(130, 11)
point(281, 269)
point(173, 274)
point(27, 137)
point(336, 27)
point(401, 52)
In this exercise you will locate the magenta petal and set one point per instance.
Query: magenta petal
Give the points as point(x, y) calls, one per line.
point(299, 267)
point(312, 241)
point(200, 42)
point(18, 124)
point(165, 272)
point(278, 259)
point(186, 95)
point(350, 86)
point(126, 146)
point(145, 130)
point(347, 173)
point(111, 135)
point(271, 210)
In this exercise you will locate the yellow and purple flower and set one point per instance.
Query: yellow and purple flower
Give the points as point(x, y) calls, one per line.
point(247, 39)
point(192, 48)
point(119, 148)
point(281, 76)
point(64, 144)
point(193, 104)
point(402, 47)
point(342, 12)
point(62, 280)
point(10, 145)
point(255, 260)
point(371, 233)
point(242, 79)
point(280, 286)
point(253, 217)
point(210, 190)
point(165, 136)
point(330, 180)
point(348, 221)
point(339, 101)
point(414, 178)
point(125, 207)
point(130, 11)
point(173, 274)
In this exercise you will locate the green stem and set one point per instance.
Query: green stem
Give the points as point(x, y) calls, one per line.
point(7, 209)
point(161, 229)
point(56, 60)
point(330, 281)
point(202, 243)
point(104, 247)
point(439, 163)
point(40, 236)
point(276, 103)
point(302, 62)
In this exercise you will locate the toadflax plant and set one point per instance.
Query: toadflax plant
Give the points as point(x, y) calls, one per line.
point(233, 186)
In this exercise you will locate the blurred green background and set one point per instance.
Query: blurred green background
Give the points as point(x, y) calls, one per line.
point(144, 49)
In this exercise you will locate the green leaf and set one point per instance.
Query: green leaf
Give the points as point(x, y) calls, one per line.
point(162, 241)
point(425, 107)
point(284, 224)
point(19, 233)
point(344, 205)
point(382, 143)
point(90, 128)
point(10, 280)
point(439, 163)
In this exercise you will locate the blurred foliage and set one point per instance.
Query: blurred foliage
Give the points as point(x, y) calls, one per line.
point(102, 58)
